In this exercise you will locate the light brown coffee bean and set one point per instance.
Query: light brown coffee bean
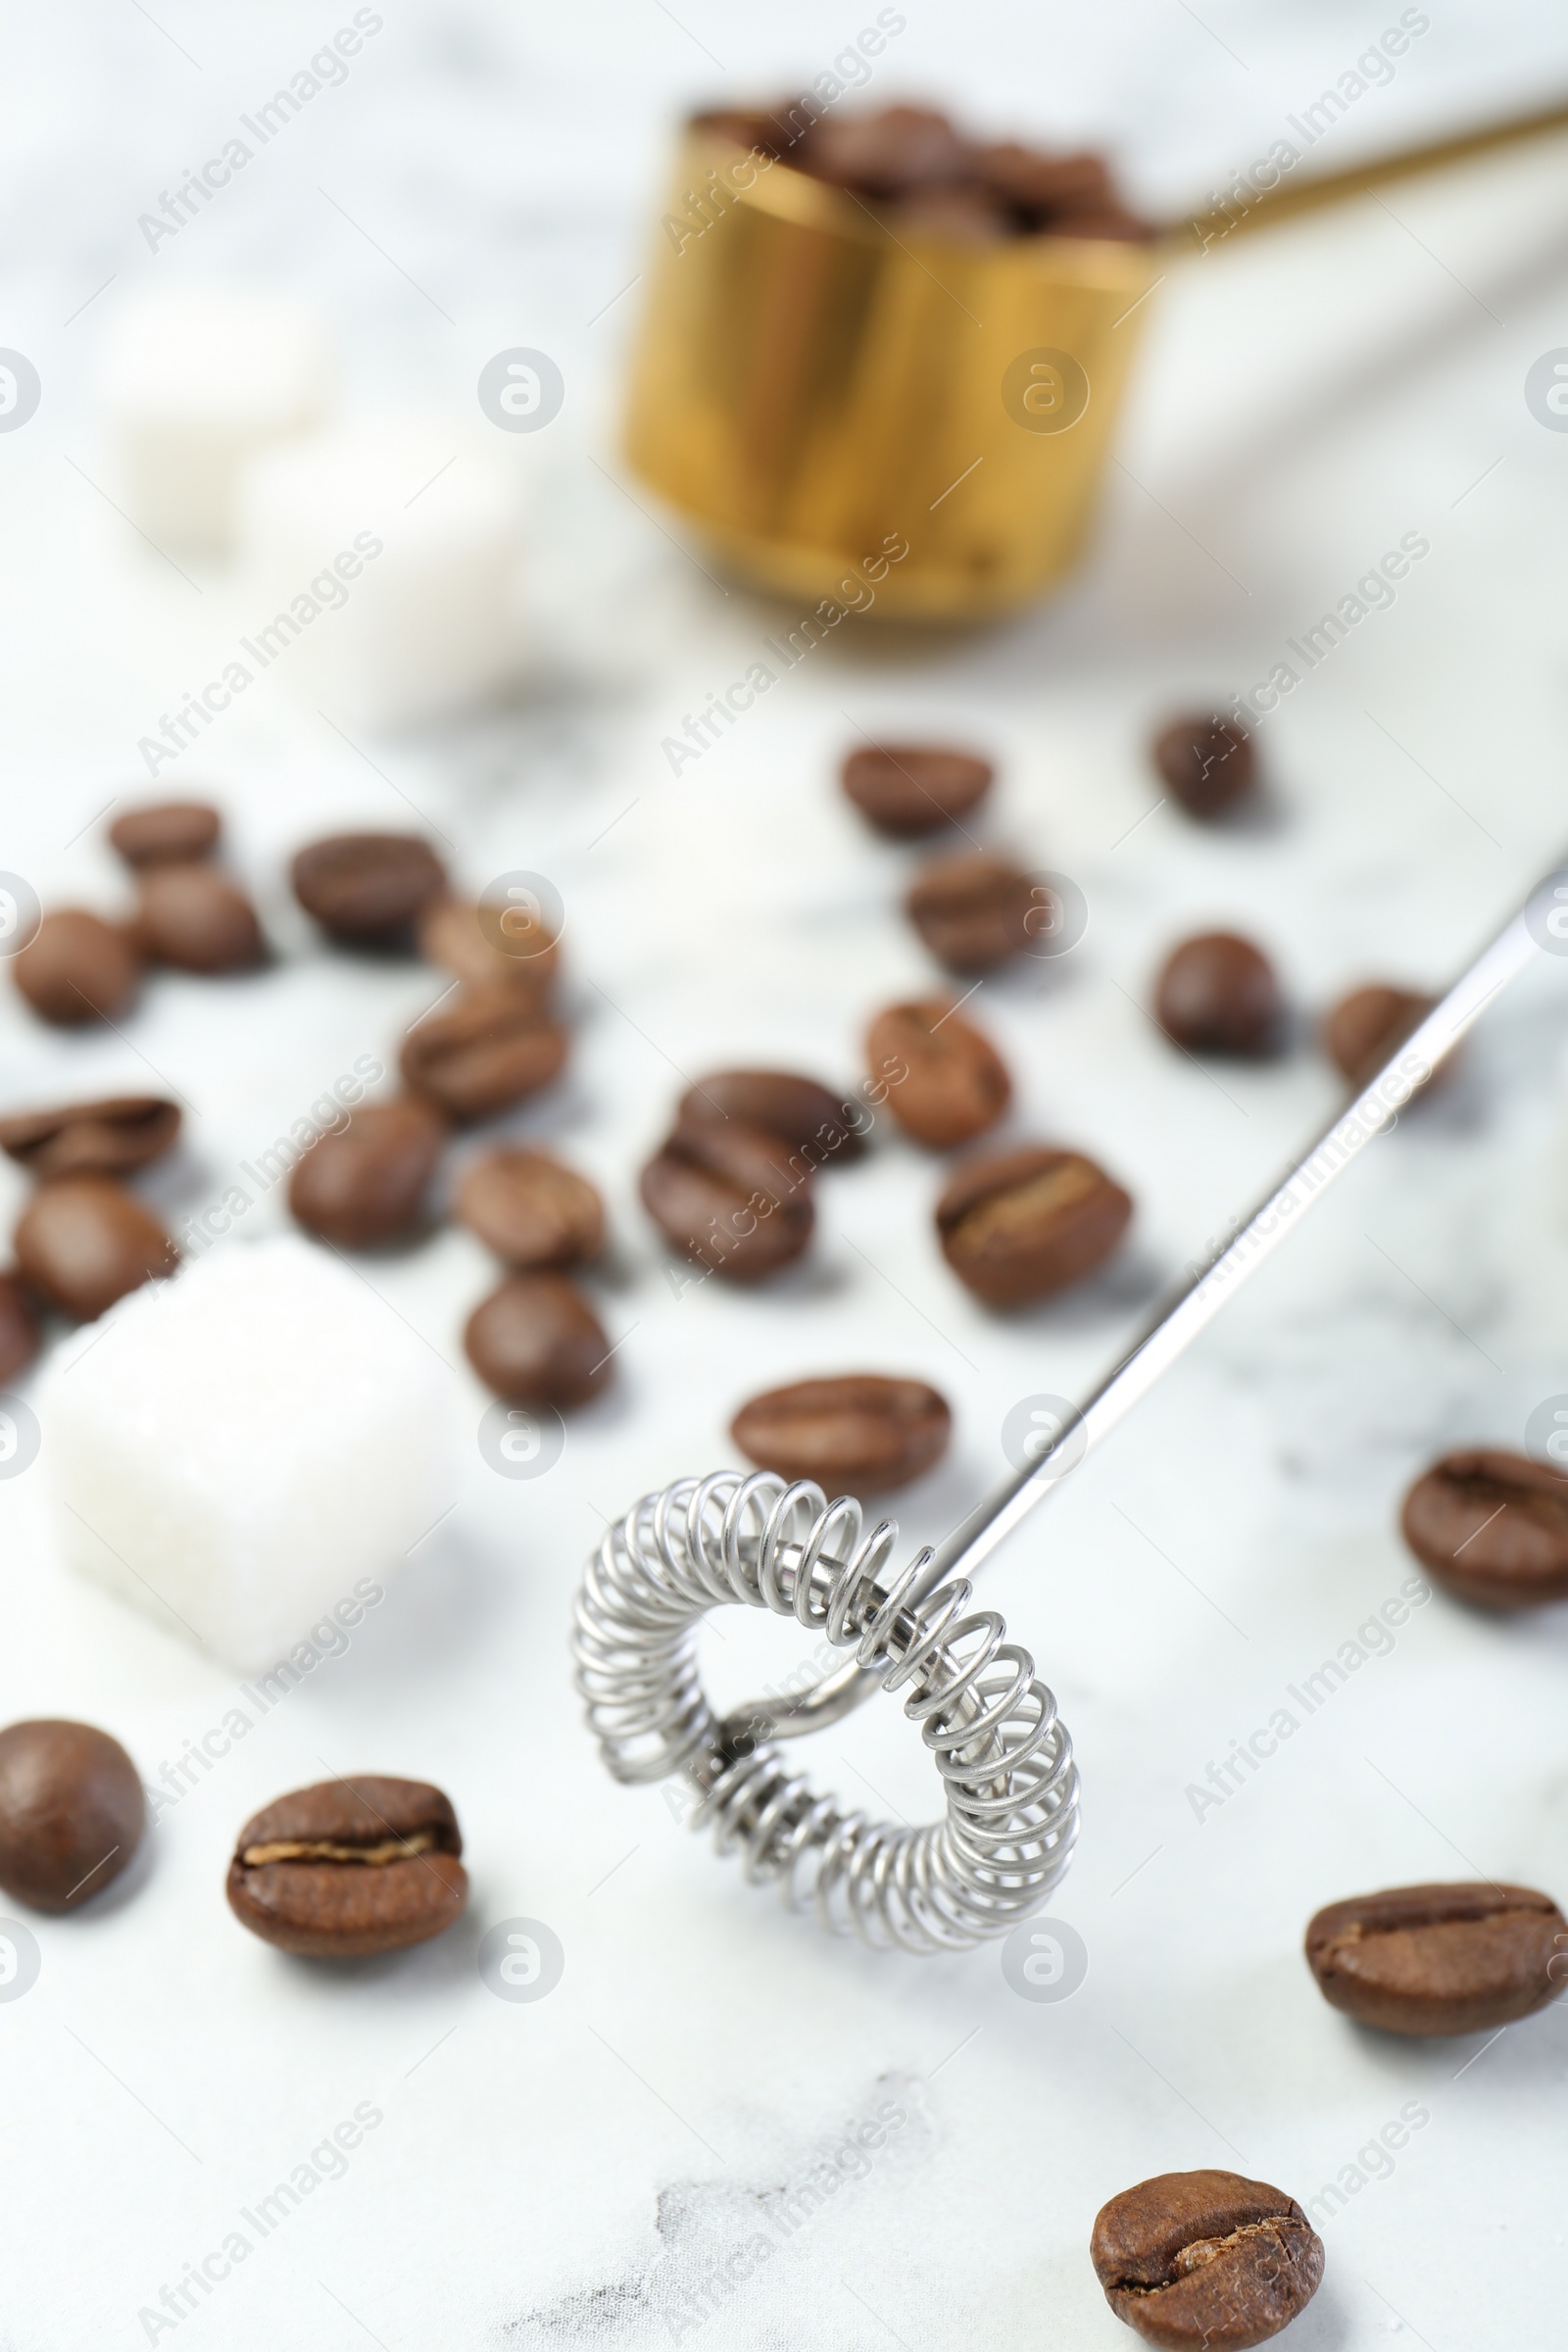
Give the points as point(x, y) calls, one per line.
point(19, 1329)
point(858, 1434)
point(533, 1212)
point(813, 1120)
point(1029, 1223)
point(905, 789)
point(726, 1195)
point(83, 1242)
point(451, 935)
point(1207, 762)
point(536, 1341)
point(1362, 1031)
point(1492, 1527)
point(77, 968)
point(107, 1138)
point(1217, 994)
point(1206, 2262)
point(491, 1049)
point(364, 1184)
point(955, 1083)
point(350, 1868)
point(72, 1812)
point(193, 917)
point(971, 912)
point(366, 889)
point(888, 152)
point(1462, 1959)
point(166, 832)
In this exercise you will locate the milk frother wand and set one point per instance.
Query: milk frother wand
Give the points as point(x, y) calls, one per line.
point(1003, 1753)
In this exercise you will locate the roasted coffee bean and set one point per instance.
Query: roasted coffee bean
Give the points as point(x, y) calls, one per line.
point(910, 788)
point(364, 1184)
point(77, 968)
point(1218, 994)
point(350, 1868)
point(963, 216)
point(956, 1083)
point(83, 1242)
point(366, 889)
point(1206, 2259)
point(106, 1139)
point(536, 1341)
point(1491, 1526)
point(1044, 186)
point(1363, 1028)
point(971, 912)
point(19, 1329)
point(533, 1212)
point(816, 1123)
point(743, 127)
point(71, 1813)
point(1207, 763)
point(464, 939)
point(193, 917)
point(1439, 1959)
point(491, 1049)
point(1028, 1223)
point(886, 153)
point(728, 1197)
point(860, 1434)
point(166, 833)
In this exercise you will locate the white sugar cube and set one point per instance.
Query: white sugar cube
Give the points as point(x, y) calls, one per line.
point(235, 1449)
point(383, 563)
point(193, 385)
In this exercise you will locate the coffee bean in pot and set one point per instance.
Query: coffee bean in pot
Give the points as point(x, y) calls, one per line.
point(366, 889)
point(858, 1434)
point(346, 1869)
point(954, 1084)
point(1028, 1223)
point(193, 917)
point(536, 1341)
point(813, 1120)
point(1217, 994)
point(77, 969)
point(166, 833)
point(888, 152)
point(72, 1812)
point(490, 1049)
point(1462, 1959)
point(19, 1329)
point(1363, 1030)
point(1206, 2259)
point(531, 1212)
point(107, 1138)
point(905, 789)
point(83, 1242)
point(1492, 1527)
point(364, 1184)
point(971, 912)
point(727, 1197)
point(467, 940)
point(1207, 762)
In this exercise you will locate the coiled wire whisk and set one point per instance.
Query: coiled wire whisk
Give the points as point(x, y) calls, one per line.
point(1003, 1753)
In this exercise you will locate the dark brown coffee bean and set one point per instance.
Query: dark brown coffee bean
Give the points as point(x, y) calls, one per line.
point(107, 1138)
point(816, 1123)
point(166, 833)
point(728, 1196)
point(366, 889)
point(1491, 1526)
point(196, 919)
point(860, 1434)
point(909, 788)
point(886, 153)
point(1029, 1223)
point(971, 912)
point(491, 1049)
point(19, 1329)
point(536, 1341)
point(364, 1184)
point(72, 1813)
point(532, 1212)
point(350, 1868)
point(962, 216)
point(83, 1242)
point(1439, 1959)
point(1206, 2259)
point(1042, 188)
point(1207, 762)
point(77, 968)
point(1363, 1030)
point(463, 939)
point(956, 1083)
point(1218, 994)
